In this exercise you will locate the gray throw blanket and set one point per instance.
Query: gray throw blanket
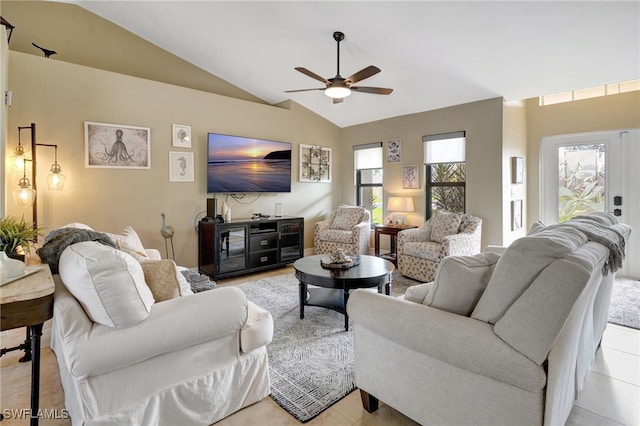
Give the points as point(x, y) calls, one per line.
point(60, 239)
point(596, 227)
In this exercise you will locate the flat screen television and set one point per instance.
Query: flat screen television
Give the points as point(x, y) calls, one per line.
point(237, 164)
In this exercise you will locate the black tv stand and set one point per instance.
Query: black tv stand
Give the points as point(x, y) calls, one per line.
point(243, 246)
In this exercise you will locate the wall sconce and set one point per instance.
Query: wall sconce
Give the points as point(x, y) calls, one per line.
point(25, 194)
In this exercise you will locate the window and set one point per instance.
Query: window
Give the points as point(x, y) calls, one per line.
point(590, 92)
point(444, 157)
point(368, 165)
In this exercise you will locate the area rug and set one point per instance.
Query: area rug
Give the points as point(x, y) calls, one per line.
point(625, 303)
point(311, 360)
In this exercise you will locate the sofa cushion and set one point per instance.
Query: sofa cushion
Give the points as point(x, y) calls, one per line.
point(425, 250)
point(535, 319)
point(347, 217)
point(336, 235)
point(460, 281)
point(108, 283)
point(162, 278)
point(520, 264)
point(444, 224)
point(417, 293)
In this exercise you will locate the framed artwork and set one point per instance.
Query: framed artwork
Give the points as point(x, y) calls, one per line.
point(117, 146)
point(410, 177)
point(315, 163)
point(181, 166)
point(394, 151)
point(516, 215)
point(181, 136)
point(517, 170)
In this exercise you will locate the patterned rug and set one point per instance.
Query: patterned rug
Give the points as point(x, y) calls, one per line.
point(310, 361)
point(625, 303)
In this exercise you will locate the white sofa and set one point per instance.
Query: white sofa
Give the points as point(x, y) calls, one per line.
point(125, 358)
point(495, 339)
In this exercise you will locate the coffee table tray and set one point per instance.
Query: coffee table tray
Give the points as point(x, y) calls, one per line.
point(327, 264)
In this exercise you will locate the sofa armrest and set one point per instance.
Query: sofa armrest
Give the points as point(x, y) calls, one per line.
point(322, 225)
point(460, 341)
point(462, 244)
point(413, 235)
point(172, 325)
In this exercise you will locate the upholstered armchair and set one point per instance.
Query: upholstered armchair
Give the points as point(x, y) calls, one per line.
point(348, 228)
point(420, 250)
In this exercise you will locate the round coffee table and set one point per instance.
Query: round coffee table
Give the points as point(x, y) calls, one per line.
point(336, 283)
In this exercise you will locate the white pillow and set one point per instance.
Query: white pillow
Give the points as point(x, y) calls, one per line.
point(460, 281)
point(129, 241)
point(108, 283)
point(445, 224)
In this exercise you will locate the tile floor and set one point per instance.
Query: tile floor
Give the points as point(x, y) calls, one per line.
point(611, 395)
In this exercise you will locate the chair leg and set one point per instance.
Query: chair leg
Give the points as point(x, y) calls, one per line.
point(369, 402)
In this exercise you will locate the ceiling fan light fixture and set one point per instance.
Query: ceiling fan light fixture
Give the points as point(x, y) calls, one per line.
point(337, 92)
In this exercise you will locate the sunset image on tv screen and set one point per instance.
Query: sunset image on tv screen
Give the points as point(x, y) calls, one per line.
point(238, 164)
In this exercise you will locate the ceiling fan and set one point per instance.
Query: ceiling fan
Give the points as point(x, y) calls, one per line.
point(339, 88)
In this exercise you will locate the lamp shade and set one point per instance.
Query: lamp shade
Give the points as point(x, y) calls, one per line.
point(400, 204)
point(24, 195)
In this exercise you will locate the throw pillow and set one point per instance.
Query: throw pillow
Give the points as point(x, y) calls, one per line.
point(460, 281)
point(163, 279)
point(128, 240)
point(347, 217)
point(108, 283)
point(444, 224)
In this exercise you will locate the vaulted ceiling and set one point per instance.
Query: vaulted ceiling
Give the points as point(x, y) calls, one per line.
point(433, 54)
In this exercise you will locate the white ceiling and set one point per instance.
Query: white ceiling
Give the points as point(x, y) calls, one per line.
point(433, 54)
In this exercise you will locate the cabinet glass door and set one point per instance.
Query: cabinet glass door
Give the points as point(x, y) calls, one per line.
point(232, 242)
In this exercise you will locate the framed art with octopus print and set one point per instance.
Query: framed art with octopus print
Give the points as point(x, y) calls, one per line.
point(117, 146)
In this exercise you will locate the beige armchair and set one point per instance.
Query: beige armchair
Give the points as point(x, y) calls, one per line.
point(348, 228)
point(420, 250)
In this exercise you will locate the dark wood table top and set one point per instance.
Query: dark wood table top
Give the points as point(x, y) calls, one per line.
point(372, 271)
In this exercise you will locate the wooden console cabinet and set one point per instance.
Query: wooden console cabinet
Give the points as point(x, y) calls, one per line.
point(243, 246)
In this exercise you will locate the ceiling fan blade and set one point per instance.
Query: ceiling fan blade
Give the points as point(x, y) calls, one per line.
point(302, 90)
point(312, 75)
point(338, 100)
point(374, 90)
point(363, 73)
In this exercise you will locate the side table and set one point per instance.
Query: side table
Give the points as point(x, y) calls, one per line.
point(392, 232)
point(28, 302)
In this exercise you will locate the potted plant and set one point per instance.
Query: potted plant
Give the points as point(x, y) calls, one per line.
point(16, 236)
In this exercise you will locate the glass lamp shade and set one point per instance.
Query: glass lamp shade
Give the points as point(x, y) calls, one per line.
point(19, 157)
point(400, 204)
point(56, 181)
point(24, 195)
point(337, 92)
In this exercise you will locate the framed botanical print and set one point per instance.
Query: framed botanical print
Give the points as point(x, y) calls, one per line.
point(394, 151)
point(410, 177)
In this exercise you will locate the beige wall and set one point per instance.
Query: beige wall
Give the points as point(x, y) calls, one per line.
point(614, 112)
point(514, 144)
point(482, 122)
point(60, 96)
